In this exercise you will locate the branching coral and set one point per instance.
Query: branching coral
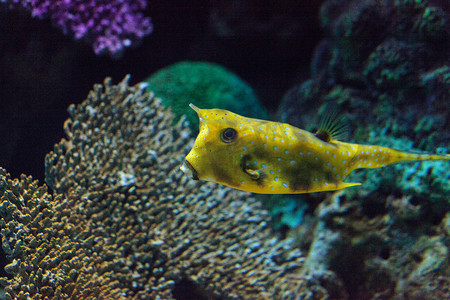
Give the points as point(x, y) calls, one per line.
point(110, 26)
point(124, 223)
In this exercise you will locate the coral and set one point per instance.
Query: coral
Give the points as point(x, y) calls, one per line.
point(376, 256)
point(110, 26)
point(207, 85)
point(399, 40)
point(393, 86)
point(124, 223)
point(286, 211)
point(426, 180)
point(424, 19)
point(392, 65)
point(437, 84)
point(385, 66)
point(355, 36)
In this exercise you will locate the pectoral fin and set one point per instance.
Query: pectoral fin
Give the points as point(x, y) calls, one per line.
point(254, 174)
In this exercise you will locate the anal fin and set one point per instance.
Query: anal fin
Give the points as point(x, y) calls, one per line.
point(344, 185)
point(333, 187)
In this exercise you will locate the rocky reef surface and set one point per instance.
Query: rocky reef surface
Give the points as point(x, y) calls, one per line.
point(385, 66)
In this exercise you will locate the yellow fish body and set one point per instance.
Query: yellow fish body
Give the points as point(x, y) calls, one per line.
point(276, 158)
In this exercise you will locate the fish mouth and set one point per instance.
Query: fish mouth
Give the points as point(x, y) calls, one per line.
point(188, 169)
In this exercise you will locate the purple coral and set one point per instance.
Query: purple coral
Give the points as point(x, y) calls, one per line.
point(110, 25)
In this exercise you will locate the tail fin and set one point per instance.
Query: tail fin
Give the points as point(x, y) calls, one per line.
point(371, 156)
point(412, 156)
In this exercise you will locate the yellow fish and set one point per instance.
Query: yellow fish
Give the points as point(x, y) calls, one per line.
point(276, 158)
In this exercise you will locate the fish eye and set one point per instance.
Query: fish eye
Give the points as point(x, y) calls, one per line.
point(229, 135)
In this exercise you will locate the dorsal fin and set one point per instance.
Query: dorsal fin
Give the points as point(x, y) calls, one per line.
point(332, 125)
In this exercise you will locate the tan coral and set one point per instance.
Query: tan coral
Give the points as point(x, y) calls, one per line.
point(124, 223)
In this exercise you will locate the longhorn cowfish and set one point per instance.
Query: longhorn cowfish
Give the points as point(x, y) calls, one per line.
point(276, 158)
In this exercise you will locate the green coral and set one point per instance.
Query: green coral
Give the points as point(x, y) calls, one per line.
point(207, 85)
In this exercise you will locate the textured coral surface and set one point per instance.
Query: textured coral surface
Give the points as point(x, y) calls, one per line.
point(123, 222)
